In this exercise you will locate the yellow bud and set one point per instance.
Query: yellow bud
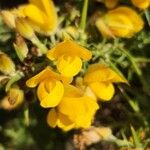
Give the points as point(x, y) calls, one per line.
point(110, 3)
point(13, 100)
point(21, 48)
point(7, 66)
point(8, 18)
point(142, 4)
point(24, 28)
point(120, 22)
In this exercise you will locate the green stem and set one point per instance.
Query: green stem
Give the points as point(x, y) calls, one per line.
point(132, 60)
point(13, 79)
point(84, 15)
point(43, 49)
point(134, 105)
point(143, 60)
point(26, 116)
point(120, 142)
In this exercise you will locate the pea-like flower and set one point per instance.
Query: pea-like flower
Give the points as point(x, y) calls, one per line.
point(41, 15)
point(69, 56)
point(75, 110)
point(142, 4)
point(50, 88)
point(100, 78)
point(120, 22)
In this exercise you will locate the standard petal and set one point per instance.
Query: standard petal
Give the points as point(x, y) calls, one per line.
point(70, 48)
point(46, 73)
point(98, 73)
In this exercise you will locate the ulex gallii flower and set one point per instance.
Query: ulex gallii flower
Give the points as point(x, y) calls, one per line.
point(142, 4)
point(75, 110)
point(41, 15)
point(69, 56)
point(120, 22)
point(100, 78)
point(70, 107)
point(49, 85)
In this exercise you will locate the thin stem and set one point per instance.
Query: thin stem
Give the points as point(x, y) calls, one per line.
point(144, 60)
point(13, 79)
point(26, 115)
point(43, 49)
point(84, 15)
point(132, 60)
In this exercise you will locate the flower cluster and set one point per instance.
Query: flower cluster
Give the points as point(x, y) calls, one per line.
point(72, 104)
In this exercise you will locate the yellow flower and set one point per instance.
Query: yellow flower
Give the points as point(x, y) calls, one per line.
point(142, 4)
point(50, 89)
point(74, 111)
point(41, 15)
point(100, 79)
point(68, 55)
point(111, 3)
point(120, 22)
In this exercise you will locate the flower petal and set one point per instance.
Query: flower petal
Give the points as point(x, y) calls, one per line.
point(69, 66)
point(50, 93)
point(57, 119)
point(70, 48)
point(79, 110)
point(31, 11)
point(132, 15)
point(104, 91)
point(102, 73)
point(72, 91)
point(65, 123)
point(98, 73)
point(143, 4)
point(46, 73)
point(52, 118)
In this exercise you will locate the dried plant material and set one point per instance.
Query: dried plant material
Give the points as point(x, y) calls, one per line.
point(90, 136)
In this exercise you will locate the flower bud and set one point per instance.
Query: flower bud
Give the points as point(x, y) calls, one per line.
point(110, 3)
point(21, 48)
point(13, 100)
point(8, 18)
point(142, 4)
point(7, 66)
